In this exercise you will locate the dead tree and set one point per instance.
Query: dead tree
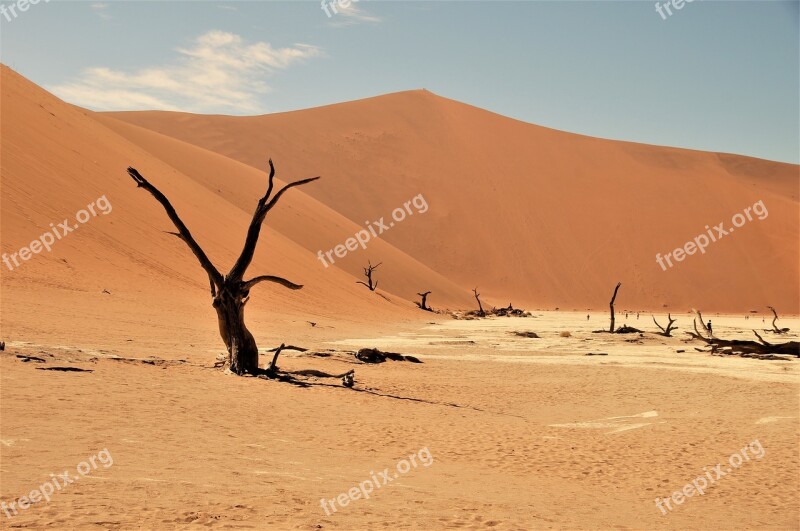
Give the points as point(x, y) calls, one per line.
point(481, 313)
point(666, 331)
point(703, 324)
point(423, 305)
point(368, 273)
point(775, 329)
point(611, 305)
point(749, 349)
point(231, 292)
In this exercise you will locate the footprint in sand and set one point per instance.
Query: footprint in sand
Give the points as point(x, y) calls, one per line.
point(614, 424)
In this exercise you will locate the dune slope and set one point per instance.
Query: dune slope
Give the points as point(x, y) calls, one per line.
point(118, 279)
point(532, 215)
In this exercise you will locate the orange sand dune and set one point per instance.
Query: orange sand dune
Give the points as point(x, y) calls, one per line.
point(57, 159)
point(521, 432)
point(535, 216)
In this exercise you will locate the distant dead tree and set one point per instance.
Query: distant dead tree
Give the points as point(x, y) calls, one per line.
point(231, 292)
point(422, 304)
point(368, 273)
point(611, 305)
point(480, 306)
point(775, 318)
point(666, 331)
point(703, 324)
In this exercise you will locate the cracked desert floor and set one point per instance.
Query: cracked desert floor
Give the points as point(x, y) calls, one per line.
point(523, 433)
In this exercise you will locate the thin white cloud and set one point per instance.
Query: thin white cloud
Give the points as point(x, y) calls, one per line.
point(349, 14)
point(218, 73)
point(101, 8)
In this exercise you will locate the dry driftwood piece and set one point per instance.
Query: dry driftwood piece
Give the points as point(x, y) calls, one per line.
point(64, 369)
point(696, 334)
point(706, 328)
point(231, 292)
point(368, 273)
point(775, 329)
point(373, 355)
point(423, 304)
point(509, 311)
point(668, 330)
point(26, 359)
point(531, 335)
point(272, 370)
point(749, 349)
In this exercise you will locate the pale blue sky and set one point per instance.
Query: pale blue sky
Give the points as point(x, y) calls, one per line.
point(716, 75)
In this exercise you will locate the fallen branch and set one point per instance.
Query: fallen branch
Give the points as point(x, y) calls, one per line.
point(707, 329)
point(745, 348)
point(373, 355)
point(272, 370)
point(64, 369)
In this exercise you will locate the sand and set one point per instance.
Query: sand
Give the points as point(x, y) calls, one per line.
point(521, 433)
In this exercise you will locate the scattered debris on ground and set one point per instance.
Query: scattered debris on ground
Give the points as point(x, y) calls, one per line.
point(64, 369)
point(373, 355)
point(532, 335)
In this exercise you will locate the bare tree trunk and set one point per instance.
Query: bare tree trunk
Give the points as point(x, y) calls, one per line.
point(611, 305)
point(368, 273)
point(480, 306)
point(240, 343)
point(231, 292)
point(423, 305)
